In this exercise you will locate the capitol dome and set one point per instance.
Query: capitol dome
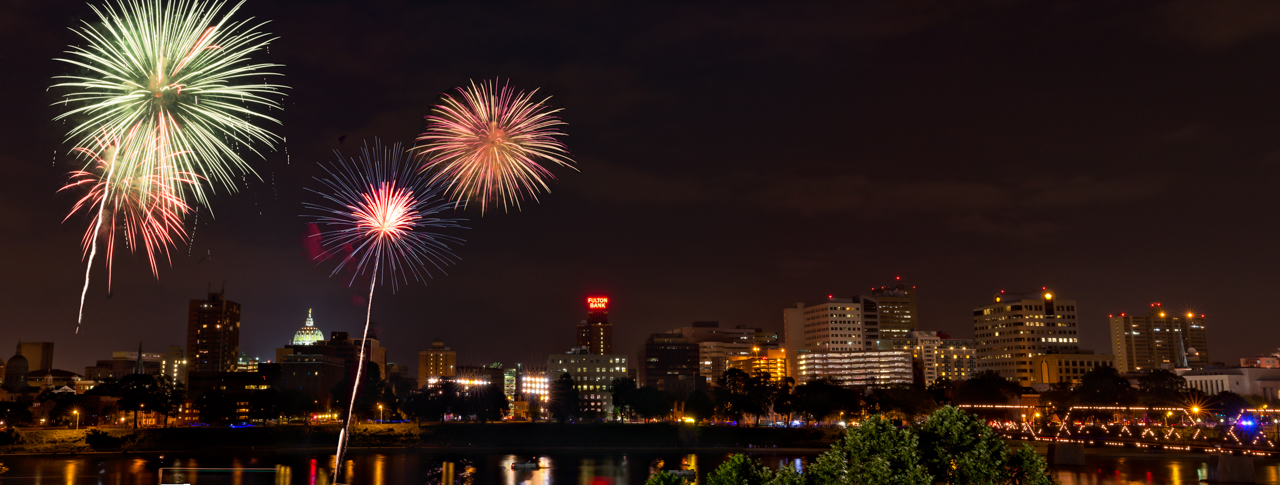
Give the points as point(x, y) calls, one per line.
point(308, 334)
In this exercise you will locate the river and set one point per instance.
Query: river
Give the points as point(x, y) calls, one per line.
point(482, 468)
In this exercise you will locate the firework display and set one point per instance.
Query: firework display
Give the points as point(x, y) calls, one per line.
point(381, 215)
point(488, 142)
point(170, 87)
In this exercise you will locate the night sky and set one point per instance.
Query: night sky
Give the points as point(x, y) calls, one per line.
point(734, 158)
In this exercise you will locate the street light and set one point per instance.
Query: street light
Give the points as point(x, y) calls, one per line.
point(77, 413)
point(379, 413)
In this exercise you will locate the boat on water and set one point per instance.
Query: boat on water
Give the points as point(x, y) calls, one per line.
point(528, 465)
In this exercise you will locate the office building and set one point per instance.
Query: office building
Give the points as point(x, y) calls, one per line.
point(314, 375)
point(939, 357)
point(592, 374)
point(1159, 340)
point(596, 333)
point(1015, 328)
point(437, 362)
point(667, 357)
point(856, 368)
point(716, 345)
point(309, 334)
point(213, 334)
point(896, 310)
point(1068, 366)
point(39, 355)
point(123, 363)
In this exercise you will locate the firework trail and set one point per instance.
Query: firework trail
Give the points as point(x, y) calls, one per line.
point(487, 143)
point(144, 206)
point(380, 213)
point(171, 80)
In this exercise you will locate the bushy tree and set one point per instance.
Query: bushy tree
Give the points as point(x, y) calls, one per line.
point(957, 448)
point(817, 400)
point(740, 469)
point(623, 390)
point(1025, 467)
point(664, 478)
point(904, 400)
point(986, 387)
point(873, 453)
point(652, 403)
point(215, 407)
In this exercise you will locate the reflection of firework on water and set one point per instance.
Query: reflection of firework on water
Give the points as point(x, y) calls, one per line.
point(131, 189)
point(179, 69)
point(381, 214)
point(488, 142)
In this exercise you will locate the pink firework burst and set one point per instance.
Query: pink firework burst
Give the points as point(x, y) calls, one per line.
point(488, 143)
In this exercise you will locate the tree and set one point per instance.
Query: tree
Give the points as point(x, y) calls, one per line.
point(941, 390)
point(623, 390)
point(784, 397)
point(905, 400)
point(564, 401)
point(957, 448)
point(1026, 467)
point(819, 399)
point(698, 406)
point(1228, 405)
point(172, 395)
point(664, 478)
point(295, 403)
point(139, 392)
point(652, 403)
point(740, 469)
point(1161, 387)
point(731, 394)
point(986, 387)
point(875, 452)
point(758, 395)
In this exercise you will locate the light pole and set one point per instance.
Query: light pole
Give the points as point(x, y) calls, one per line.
point(77, 413)
point(379, 413)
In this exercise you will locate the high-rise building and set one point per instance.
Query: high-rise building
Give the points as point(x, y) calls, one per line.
point(1161, 339)
point(939, 357)
point(896, 310)
point(665, 358)
point(596, 333)
point(123, 363)
point(1015, 328)
point(39, 355)
point(439, 361)
point(834, 325)
point(213, 334)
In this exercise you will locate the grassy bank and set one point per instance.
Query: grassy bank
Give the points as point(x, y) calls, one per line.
point(499, 435)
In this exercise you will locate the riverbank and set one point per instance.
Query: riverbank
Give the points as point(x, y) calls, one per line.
point(510, 436)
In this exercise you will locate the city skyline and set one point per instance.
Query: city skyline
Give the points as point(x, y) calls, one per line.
point(1120, 154)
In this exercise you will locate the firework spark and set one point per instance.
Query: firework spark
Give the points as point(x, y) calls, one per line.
point(487, 143)
point(169, 84)
point(382, 215)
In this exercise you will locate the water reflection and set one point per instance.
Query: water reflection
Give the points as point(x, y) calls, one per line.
point(476, 468)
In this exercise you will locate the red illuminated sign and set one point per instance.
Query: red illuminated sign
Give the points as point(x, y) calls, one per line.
point(597, 302)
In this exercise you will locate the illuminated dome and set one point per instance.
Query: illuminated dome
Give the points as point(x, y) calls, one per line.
point(308, 334)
